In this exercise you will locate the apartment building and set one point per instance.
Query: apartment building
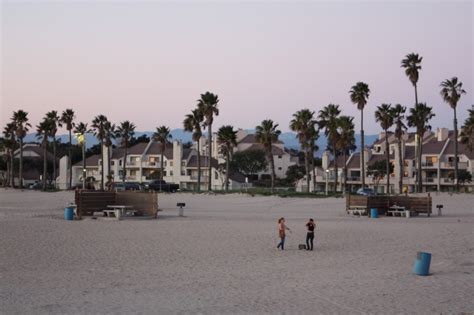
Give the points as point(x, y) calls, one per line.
point(437, 165)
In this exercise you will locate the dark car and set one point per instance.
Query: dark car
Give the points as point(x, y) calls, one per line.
point(366, 192)
point(161, 185)
point(126, 186)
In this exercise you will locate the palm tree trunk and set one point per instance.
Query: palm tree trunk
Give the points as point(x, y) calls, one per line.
point(7, 179)
point(12, 176)
point(335, 166)
point(162, 171)
point(400, 166)
point(70, 160)
point(362, 148)
point(20, 176)
point(124, 169)
point(102, 164)
point(83, 166)
point(45, 163)
point(387, 157)
point(272, 165)
point(227, 172)
point(109, 176)
point(199, 165)
point(209, 184)
point(416, 94)
point(456, 151)
point(314, 172)
point(54, 161)
point(420, 152)
point(345, 171)
point(307, 169)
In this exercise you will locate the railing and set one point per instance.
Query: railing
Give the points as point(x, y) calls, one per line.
point(461, 165)
point(445, 180)
point(430, 179)
point(353, 178)
point(429, 164)
point(151, 164)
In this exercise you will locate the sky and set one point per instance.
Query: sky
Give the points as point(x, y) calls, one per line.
point(148, 62)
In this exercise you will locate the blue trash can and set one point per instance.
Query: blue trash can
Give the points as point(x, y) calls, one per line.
point(422, 264)
point(69, 213)
point(374, 213)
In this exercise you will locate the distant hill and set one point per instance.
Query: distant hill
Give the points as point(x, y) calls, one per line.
point(288, 138)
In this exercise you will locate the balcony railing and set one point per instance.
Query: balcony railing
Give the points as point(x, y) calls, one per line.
point(461, 165)
point(430, 179)
point(353, 178)
point(429, 164)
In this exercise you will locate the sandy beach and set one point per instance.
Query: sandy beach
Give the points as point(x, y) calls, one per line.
point(222, 258)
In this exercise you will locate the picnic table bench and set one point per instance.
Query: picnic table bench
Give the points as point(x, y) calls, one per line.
point(119, 211)
point(360, 210)
point(395, 210)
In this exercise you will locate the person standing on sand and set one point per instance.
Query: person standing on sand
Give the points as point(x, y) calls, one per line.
point(282, 232)
point(310, 235)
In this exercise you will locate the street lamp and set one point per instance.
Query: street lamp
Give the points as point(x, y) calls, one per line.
point(327, 178)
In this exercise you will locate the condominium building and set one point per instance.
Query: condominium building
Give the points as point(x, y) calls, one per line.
point(437, 165)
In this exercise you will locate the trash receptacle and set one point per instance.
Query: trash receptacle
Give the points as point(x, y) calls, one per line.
point(422, 264)
point(69, 213)
point(374, 213)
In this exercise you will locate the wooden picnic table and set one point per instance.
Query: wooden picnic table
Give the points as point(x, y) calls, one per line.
point(395, 210)
point(118, 210)
point(360, 210)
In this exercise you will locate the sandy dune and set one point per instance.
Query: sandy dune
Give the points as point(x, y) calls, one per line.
point(222, 258)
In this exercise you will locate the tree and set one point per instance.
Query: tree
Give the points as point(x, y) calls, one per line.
point(207, 105)
point(81, 131)
point(451, 91)
point(467, 133)
point(384, 115)
point(125, 132)
point(313, 147)
point(463, 177)
point(359, 94)
point(419, 117)
point(55, 124)
point(162, 135)
point(249, 162)
point(67, 119)
point(110, 133)
point(398, 118)
point(412, 66)
point(328, 119)
point(10, 145)
point(43, 132)
point(142, 139)
point(99, 125)
point(20, 121)
point(294, 173)
point(227, 139)
point(345, 141)
point(192, 123)
point(303, 123)
point(378, 170)
point(267, 134)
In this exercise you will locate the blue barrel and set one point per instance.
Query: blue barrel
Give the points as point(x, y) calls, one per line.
point(374, 213)
point(69, 213)
point(422, 264)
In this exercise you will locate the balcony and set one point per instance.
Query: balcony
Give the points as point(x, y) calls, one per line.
point(461, 165)
point(353, 179)
point(429, 164)
point(430, 179)
point(446, 180)
point(150, 164)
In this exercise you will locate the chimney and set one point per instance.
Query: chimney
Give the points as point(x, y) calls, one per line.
point(325, 160)
point(442, 134)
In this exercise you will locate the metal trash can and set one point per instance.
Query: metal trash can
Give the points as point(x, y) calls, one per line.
point(422, 264)
point(407, 213)
point(374, 213)
point(69, 213)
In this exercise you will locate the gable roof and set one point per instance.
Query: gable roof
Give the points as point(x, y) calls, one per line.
point(250, 138)
point(155, 149)
point(92, 160)
point(258, 146)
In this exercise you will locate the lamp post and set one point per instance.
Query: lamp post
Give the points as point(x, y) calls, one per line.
point(327, 183)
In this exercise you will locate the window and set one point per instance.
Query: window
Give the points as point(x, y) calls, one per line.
point(133, 172)
point(171, 173)
point(171, 163)
point(279, 156)
point(183, 163)
point(183, 173)
point(216, 175)
point(279, 168)
point(112, 163)
point(164, 163)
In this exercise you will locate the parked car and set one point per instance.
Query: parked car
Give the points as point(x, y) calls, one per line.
point(161, 185)
point(126, 186)
point(366, 192)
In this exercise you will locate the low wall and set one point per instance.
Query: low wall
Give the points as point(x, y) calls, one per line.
point(382, 203)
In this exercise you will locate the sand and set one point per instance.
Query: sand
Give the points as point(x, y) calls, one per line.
point(222, 258)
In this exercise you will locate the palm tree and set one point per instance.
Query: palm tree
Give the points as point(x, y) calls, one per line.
point(267, 134)
point(10, 145)
point(359, 94)
point(99, 124)
point(163, 135)
point(467, 133)
point(207, 105)
point(451, 93)
point(20, 120)
point(303, 123)
point(192, 123)
point(419, 118)
point(398, 117)
point(328, 119)
point(108, 142)
point(67, 118)
point(81, 131)
point(412, 66)
point(313, 147)
point(43, 132)
point(384, 115)
point(125, 132)
point(227, 138)
point(55, 124)
point(345, 141)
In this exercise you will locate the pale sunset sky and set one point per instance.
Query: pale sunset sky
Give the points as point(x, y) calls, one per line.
point(149, 61)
